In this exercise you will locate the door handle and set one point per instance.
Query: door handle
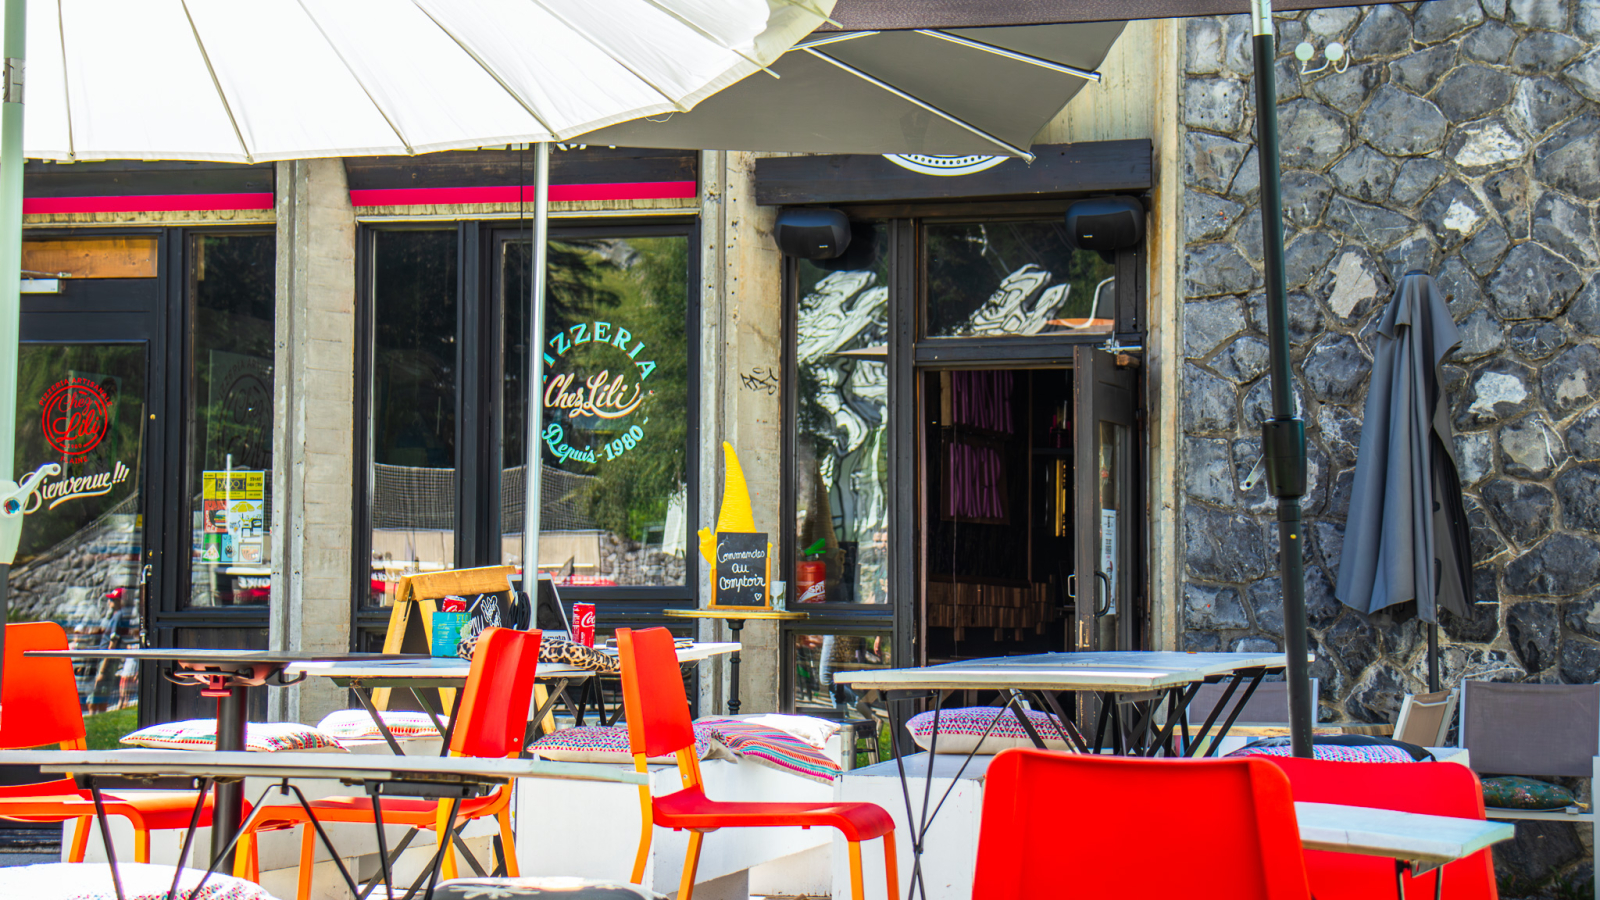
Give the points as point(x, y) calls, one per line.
point(1072, 585)
point(144, 604)
point(1099, 610)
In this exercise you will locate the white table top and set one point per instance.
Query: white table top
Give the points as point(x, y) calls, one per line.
point(451, 667)
point(239, 764)
point(1429, 840)
point(1123, 670)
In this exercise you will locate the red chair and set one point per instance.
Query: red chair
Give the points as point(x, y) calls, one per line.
point(1440, 789)
point(1066, 825)
point(491, 723)
point(39, 706)
point(658, 724)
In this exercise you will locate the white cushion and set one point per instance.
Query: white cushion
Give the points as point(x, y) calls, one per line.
point(140, 881)
point(262, 737)
point(812, 730)
point(358, 724)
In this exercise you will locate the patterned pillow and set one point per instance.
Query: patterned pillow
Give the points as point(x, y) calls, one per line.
point(140, 881)
point(556, 650)
point(262, 737)
point(771, 747)
point(357, 724)
point(1513, 792)
point(962, 730)
point(812, 730)
point(557, 887)
point(1341, 752)
point(597, 743)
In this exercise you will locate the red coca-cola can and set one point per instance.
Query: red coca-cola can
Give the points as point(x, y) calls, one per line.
point(583, 624)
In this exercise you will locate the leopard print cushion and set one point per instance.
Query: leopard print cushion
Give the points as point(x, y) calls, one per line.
point(556, 650)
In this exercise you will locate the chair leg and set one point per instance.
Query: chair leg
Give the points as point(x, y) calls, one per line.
point(508, 842)
point(891, 866)
point(308, 859)
point(858, 889)
point(691, 865)
point(80, 839)
point(447, 868)
point(647, 831)
point(141, 845)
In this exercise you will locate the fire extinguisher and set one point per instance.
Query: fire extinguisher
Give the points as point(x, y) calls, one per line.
point(811, 576)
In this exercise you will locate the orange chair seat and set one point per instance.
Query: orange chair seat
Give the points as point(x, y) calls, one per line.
point(396, 811)
point(57, 801)
point(691, 808)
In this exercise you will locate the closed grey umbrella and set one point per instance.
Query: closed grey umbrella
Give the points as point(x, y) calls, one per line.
point(1407, 547)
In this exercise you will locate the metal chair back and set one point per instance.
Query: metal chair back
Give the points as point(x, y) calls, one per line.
point(1531, 729)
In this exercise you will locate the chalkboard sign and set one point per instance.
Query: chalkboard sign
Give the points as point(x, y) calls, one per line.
point(742, 569)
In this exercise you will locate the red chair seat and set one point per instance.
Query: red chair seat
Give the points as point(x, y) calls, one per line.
point(60, 801)
point(691, 808)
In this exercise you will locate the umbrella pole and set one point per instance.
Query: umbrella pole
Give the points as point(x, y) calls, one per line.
point(10, 267)
point(534, 467)
point(1433, 657)
point(1283, 437)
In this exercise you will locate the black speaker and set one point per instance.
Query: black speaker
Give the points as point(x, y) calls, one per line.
point(1105, 224)
point(812, 233)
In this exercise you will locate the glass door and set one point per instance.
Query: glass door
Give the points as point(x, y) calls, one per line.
point(1108, 594)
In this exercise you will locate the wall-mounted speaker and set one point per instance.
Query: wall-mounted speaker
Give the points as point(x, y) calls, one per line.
point(1105, 224)
point(813, 233)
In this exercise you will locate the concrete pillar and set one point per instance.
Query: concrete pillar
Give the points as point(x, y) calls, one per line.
point(314, 424)
point(742, 312)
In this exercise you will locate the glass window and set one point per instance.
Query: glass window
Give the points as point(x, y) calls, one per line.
point(992, 279)
point(412, 480)
point(842, 437)
point(616, 410)
point(229, 479)
point(818, 656)
point(82, 406)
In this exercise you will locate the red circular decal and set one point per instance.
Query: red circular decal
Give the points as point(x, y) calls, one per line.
point(76, 414)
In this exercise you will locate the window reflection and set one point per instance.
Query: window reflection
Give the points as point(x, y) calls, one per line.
point(842, 438)
point(412, 480)
point(818, 657)
point(993, 279)
point(616, 410)
point(229, 481)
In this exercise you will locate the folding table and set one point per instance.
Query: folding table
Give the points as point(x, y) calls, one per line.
point(453, 778)
point(229, 676)
point(1115, 677)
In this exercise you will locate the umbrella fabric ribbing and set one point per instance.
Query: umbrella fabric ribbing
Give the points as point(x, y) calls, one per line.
point(1407, 549)
point(291, 79)
point(974, 90)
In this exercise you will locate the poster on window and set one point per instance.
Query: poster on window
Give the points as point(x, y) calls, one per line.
point(233, 526)
point(1108, 557)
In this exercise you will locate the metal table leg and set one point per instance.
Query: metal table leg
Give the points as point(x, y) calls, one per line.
point(735, 626)
point(228, 808)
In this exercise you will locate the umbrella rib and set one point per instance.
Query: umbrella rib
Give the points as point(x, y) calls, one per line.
point(675, 102)
point(387, 120)
point(834, 39)
point(1010, 148)
point(528, 107)
point(66, 86)
point(1086, 74)
point(710, 37)
point(217, 83)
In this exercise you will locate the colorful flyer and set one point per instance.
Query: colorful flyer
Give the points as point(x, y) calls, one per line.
point(232, 521)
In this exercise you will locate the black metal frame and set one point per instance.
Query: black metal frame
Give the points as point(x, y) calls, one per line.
point(478, 423)
point(909, 353)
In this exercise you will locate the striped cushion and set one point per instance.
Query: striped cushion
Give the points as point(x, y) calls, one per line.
point(962, 730)
point(140, 881)
point(358, 724)
point(1341, 753)
point(595, 743)
point(262, 737)
point(771, 747)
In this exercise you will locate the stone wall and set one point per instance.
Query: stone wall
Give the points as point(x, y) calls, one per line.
point(1463, 139)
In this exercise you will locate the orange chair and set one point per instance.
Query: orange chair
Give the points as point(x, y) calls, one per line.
point(658, 724)
point(1060, 824)
point(39, 706)
point(1439, 789)
point(491, 723)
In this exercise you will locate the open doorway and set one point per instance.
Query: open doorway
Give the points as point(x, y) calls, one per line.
point(1029, 518)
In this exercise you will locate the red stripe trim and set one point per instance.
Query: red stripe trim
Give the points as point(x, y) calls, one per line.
point(144, 203)
point(628, 190)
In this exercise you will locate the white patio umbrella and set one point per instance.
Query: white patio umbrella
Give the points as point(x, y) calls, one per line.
point(294, 79)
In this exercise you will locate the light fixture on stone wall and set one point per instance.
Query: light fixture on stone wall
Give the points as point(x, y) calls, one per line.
point(1334, 55)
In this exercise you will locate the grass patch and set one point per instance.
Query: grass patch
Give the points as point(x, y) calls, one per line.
point(106, 728)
